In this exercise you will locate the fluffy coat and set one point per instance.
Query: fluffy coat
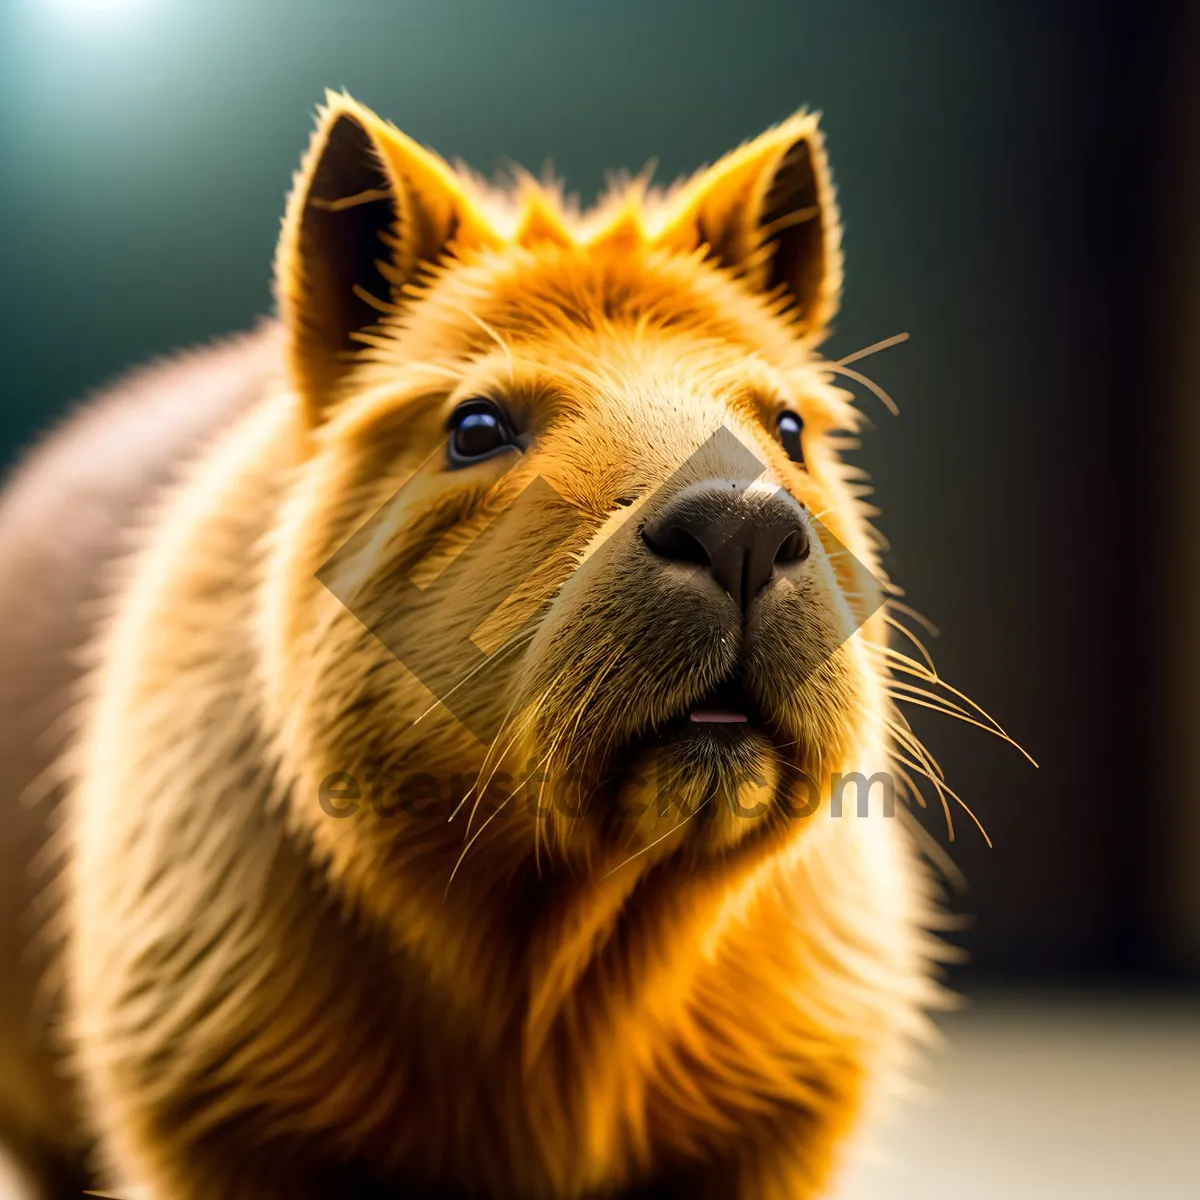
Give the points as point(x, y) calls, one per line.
point(266, 1000)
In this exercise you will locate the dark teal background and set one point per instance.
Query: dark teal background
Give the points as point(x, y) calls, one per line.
point(985, 155)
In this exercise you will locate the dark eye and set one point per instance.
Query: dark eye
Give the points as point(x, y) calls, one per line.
point(478, 429)
point(790, 427)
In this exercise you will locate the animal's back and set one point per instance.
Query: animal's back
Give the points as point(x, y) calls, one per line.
point(67, 516)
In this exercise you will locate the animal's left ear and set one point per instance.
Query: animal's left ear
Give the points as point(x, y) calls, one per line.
point(369, 209)
point(767, 212)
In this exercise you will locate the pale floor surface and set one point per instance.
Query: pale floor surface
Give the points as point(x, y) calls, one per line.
point(1049, 1099)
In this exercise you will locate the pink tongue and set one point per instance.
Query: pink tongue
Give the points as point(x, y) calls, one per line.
point(716, 716)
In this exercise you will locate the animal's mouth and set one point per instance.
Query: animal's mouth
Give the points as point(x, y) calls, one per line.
point(728, 703)
point(710, 761)
point(726, 712)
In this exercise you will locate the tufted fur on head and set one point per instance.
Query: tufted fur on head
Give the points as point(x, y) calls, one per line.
point(654, 974)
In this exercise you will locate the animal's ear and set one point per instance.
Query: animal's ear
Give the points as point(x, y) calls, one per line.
point(767, 212)
point(369, 206)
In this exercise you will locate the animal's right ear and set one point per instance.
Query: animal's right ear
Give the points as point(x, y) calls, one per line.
point(368, 208)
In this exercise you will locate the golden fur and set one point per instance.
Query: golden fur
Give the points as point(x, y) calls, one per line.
point(266, 1001)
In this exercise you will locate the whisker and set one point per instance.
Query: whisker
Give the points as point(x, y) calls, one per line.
point(495, 337)
point(920, 618)
point(899, 661)
point(912, 637)
point(909, 666)
point(946, 706)
point(944, 790)
point(894, 340)
point(505, 724)
point(909, 780)
point(471, 841)
point(526, 635)
point(481, 785)
point(568, 731)
point(674, 829)
point(970, 813)
point(868, 383)
point(959, 715)
point(910, 785)
point(899, 727)
point(929, 767)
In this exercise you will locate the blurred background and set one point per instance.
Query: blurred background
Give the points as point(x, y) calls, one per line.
point(1020, 183)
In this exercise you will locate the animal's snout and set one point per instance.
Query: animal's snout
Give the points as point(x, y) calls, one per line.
point(739, 530)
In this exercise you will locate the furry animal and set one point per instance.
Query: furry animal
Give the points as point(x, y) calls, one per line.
point(508, 496)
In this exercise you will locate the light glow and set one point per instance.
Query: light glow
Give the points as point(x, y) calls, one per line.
point(94, 10)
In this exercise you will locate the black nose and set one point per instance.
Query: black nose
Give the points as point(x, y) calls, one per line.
point(740, 533)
